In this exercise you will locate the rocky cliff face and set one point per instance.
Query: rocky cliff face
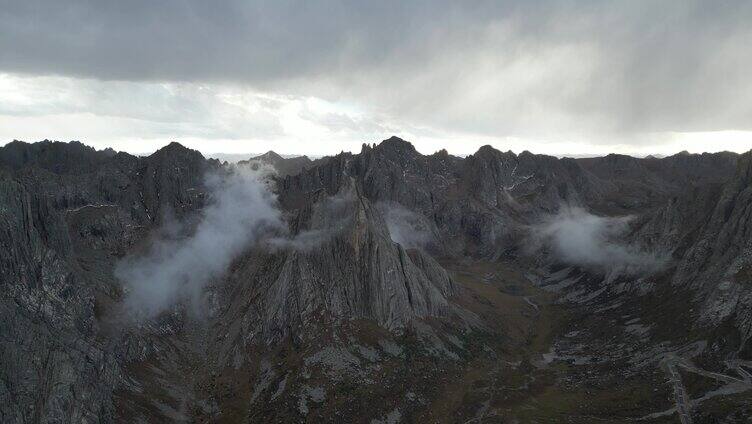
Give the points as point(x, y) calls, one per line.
point(718, 261)
point(67, 212)
point(476, 204)
point(338, 262)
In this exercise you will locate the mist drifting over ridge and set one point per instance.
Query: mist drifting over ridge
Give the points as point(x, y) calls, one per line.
point(577, 237)
point(242, 209)
point(407, 228)
point(330, 217)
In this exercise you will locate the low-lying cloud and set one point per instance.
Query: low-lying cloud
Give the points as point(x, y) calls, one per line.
point(330, 216)
point(405, 227)
point(577, 237)
point(173, 270)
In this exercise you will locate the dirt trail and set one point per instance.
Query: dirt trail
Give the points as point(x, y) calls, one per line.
point(684, 404)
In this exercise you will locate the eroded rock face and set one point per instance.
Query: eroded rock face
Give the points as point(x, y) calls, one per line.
point(65, 226)
point(476, 203)
point(52, 369)
point(719, 258)
point(66, 213)
point(705, 227)
point(341, 263)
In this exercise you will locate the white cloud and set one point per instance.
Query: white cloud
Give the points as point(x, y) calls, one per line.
point(178, 269)
point(406, 227)
point(140, 117)
point(593, 242)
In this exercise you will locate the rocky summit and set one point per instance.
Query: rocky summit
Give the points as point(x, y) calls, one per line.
point(379, 287)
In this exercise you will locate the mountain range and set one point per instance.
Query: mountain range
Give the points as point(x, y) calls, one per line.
point(382, 286)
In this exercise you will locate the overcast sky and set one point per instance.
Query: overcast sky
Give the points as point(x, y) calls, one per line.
point(557, 77)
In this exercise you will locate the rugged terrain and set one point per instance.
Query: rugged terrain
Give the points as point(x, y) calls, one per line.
point(393, 287)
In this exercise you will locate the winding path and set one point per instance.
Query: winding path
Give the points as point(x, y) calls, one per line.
point(671, 363)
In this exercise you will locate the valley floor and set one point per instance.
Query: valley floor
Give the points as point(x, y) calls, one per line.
point(564, 362)
point(537, 359)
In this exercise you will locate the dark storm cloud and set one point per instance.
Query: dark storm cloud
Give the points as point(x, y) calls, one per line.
point(498, 68)
point(251, 41)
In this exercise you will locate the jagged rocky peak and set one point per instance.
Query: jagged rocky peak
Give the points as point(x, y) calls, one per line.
point(176, 151)
point(699, 169)
point(488, 151)
point(390, 171)
point(58, 157)
point(441, 154)
point(397, 145)
point(393, 149)
point(669, 174)
point(714, 257)
point(339, 262)
point(173, 180)
point(282, 165)
point(489, 160)
point(620, 167)
point(271, 156)
point(744, 167)
point(620, 162)
point(533, 182)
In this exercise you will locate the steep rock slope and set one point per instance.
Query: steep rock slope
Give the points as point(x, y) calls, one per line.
point(64, 227)
point(476, 203)
point(339, 262)
point(643, 184)
point(719, 261)
point(66, 213)
point(705, 227)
